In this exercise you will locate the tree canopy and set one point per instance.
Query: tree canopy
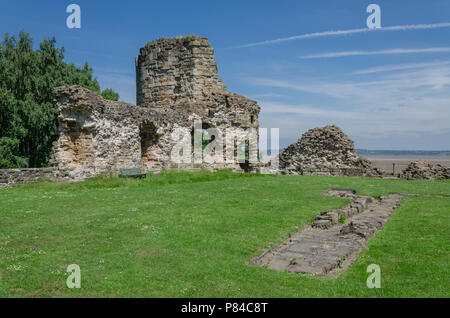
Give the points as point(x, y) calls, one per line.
point(28, 117)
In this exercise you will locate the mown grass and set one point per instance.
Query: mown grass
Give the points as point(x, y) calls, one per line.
point(181, 234)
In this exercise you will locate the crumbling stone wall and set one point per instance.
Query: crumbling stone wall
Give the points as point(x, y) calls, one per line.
point(10, 177)
point(180, 76)
point(176, 71)
point(425, 170)
point(177, 84)
point(100, 136)
point(325, 151)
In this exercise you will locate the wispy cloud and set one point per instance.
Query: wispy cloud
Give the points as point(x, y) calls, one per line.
point(333, 89)
point(410, 127)
point(390, 89)
point(405, 105)
point(399, 67)
point(382, 52)
point(346, 32)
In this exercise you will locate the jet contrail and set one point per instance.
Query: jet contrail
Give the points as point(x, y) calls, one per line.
point(393, 51)
point(345, 32)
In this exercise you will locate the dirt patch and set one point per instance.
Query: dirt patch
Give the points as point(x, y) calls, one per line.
point(335, 239)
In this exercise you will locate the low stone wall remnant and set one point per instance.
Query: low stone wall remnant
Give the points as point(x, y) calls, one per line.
point(10, 177)
point(332, 243)
point(425, 170)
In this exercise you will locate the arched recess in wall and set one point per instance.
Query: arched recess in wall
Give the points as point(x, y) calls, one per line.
point(149, 141)
point(80, 143)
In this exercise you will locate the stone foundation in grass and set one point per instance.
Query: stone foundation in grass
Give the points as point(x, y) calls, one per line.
point(333, 242)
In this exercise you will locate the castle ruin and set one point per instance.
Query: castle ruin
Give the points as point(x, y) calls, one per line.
point(178, 87)
point(177, 83)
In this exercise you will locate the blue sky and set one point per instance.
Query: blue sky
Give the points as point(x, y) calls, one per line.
point(387, 89)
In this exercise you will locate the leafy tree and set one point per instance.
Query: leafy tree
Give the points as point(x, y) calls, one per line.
point(110, 94)
point(8, 159)
point(28, 118)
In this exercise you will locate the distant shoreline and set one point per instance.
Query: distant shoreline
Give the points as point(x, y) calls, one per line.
point(440, 153)
point(386, 162)
point(407, 157)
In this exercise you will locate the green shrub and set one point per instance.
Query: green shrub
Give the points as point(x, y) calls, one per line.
point(110, 94)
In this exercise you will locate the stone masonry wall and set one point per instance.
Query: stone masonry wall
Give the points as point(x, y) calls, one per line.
point(176, 71)
point(177, 84)
point(9, 177)
point(179, 77)
point(98, 136)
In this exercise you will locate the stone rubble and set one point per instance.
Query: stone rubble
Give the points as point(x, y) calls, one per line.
point(325, 151)
point(330, 218)
point(425, 170)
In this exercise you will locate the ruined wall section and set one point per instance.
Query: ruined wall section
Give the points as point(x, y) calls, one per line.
point(176, 71)
point(177, 83)
point(98, 136)
point(10, 177)
point(425, 170)
point(325, 151)
point(181, 75)
point(179, 78)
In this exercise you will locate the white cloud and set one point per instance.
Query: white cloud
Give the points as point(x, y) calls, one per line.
point(381, 52)
point(393, 86)
point(398, 67)
point(346, 32)
point(333, 89)
point(405, 106)
point(423, 119)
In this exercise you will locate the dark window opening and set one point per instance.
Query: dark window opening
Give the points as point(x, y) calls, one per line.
point(149, 138)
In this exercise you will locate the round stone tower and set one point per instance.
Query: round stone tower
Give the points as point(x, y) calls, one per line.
point(176, 71)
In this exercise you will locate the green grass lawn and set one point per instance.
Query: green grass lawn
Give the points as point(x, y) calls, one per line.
point(181, 234)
